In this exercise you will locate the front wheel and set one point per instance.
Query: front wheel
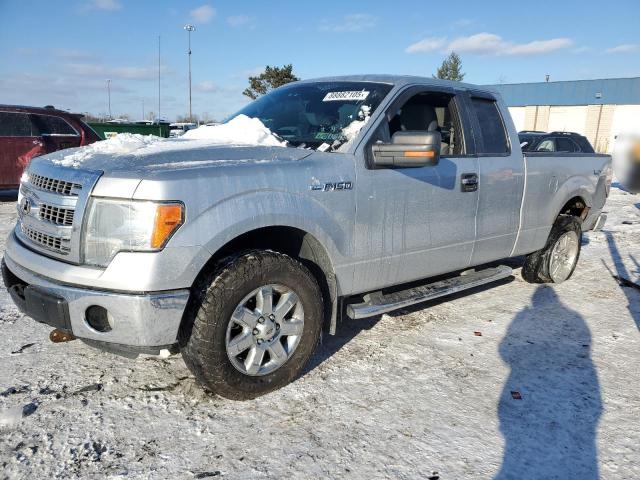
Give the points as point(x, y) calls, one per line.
point(253, 325)
point(556, 262)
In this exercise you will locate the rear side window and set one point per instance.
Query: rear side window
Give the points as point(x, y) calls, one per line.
point(566, 145)
point(494, 136)
point(49, 125)
point(14, 124)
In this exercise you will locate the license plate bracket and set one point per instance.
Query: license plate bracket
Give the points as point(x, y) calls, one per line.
point(46, 308)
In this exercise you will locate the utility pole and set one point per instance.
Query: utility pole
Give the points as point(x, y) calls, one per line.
point(109, 96)
point(143, 109)
point(159, 116)
point(189, 28)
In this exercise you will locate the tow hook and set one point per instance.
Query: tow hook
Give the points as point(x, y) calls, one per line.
point(59, 336)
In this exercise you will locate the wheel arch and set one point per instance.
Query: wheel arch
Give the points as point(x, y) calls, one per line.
point(576, 206)
point(573, 197)
point(292, 241)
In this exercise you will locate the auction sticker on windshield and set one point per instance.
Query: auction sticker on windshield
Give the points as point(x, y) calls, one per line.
point(346, 96)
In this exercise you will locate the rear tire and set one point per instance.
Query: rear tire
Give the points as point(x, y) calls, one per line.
point(235, 338)
point(557, 261)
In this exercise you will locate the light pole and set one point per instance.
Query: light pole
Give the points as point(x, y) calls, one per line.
point(109, 96)
point(189, 28)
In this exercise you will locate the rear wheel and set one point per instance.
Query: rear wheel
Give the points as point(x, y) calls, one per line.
point(557, 261)
point(253, 325)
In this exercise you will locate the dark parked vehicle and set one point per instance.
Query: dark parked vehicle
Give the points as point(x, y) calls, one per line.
point(566, 142)
point(27, 132)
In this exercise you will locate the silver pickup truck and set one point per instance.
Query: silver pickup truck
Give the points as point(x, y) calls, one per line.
point(373, 193)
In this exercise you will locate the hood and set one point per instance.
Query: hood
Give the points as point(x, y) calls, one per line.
point(146, 161)
point(242, 140)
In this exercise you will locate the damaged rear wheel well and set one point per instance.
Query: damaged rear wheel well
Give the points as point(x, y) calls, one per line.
point(576, 207)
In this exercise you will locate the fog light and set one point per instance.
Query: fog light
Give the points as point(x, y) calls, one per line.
point(98, 318)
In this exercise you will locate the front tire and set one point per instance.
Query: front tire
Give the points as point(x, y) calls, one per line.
point(557, 261)
point(252, 325)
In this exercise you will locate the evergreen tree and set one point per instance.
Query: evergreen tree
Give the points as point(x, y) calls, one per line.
point(451, 68)
point(272, 77)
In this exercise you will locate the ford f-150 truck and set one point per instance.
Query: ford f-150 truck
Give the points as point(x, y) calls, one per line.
point(372, 193)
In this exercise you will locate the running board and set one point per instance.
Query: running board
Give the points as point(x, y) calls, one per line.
point(377, 303)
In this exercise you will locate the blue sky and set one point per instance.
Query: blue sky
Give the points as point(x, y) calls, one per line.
point(62, 52)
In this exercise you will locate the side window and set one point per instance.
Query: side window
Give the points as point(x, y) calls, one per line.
point(583, 145)
point(50, 125)
point(565, 145)
point(547, 145)
point(433, 111)
point(492, 130)
point(14, 124)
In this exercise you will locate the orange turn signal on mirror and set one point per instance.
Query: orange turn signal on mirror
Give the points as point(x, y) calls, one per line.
point(168, 219)
point(429, 154)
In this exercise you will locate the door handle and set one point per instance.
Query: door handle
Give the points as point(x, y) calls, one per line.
point(469, 182)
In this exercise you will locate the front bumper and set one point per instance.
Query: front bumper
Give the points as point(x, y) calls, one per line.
point(144, 321)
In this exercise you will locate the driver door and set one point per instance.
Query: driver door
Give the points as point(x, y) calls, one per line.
point(413, 223)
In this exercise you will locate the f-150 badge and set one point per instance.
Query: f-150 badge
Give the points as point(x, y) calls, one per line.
point(331, 186)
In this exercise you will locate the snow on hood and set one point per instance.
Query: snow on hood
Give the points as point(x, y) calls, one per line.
point(240, 131)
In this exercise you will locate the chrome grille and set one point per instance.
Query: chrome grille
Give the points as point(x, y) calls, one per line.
point(48, 241)
point(53, 184)
point(52, 202)
point(57, 215)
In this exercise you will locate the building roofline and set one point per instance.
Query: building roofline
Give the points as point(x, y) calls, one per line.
point(563, 81)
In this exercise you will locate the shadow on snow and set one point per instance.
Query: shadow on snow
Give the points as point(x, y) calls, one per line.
point(551, 431)
point(621, 271)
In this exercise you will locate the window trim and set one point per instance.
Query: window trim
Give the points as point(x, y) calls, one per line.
point(475, 123)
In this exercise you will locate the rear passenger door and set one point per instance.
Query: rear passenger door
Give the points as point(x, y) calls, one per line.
point(18, 145)
point(501, 179)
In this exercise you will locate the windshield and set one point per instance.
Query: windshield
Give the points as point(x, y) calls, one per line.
point(319, 115)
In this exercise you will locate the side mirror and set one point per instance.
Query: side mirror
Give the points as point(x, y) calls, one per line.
point(408, 149)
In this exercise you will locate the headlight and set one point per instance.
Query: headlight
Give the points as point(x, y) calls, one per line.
point(128, 225)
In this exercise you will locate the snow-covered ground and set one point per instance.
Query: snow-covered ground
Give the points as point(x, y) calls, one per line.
point(513, 381)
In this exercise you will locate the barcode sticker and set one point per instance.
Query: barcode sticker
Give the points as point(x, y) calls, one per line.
point(350, 96)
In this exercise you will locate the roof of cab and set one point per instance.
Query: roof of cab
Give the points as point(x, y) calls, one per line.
point(398, 80)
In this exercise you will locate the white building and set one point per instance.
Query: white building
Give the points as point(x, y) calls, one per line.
point(598, 109)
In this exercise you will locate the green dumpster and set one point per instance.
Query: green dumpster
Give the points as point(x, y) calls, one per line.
point(108, 130)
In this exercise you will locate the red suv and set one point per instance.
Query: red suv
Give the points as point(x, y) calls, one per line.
point(26, 132)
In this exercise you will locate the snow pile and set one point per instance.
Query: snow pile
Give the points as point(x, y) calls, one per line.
point(120, 144)
point(240, 131)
